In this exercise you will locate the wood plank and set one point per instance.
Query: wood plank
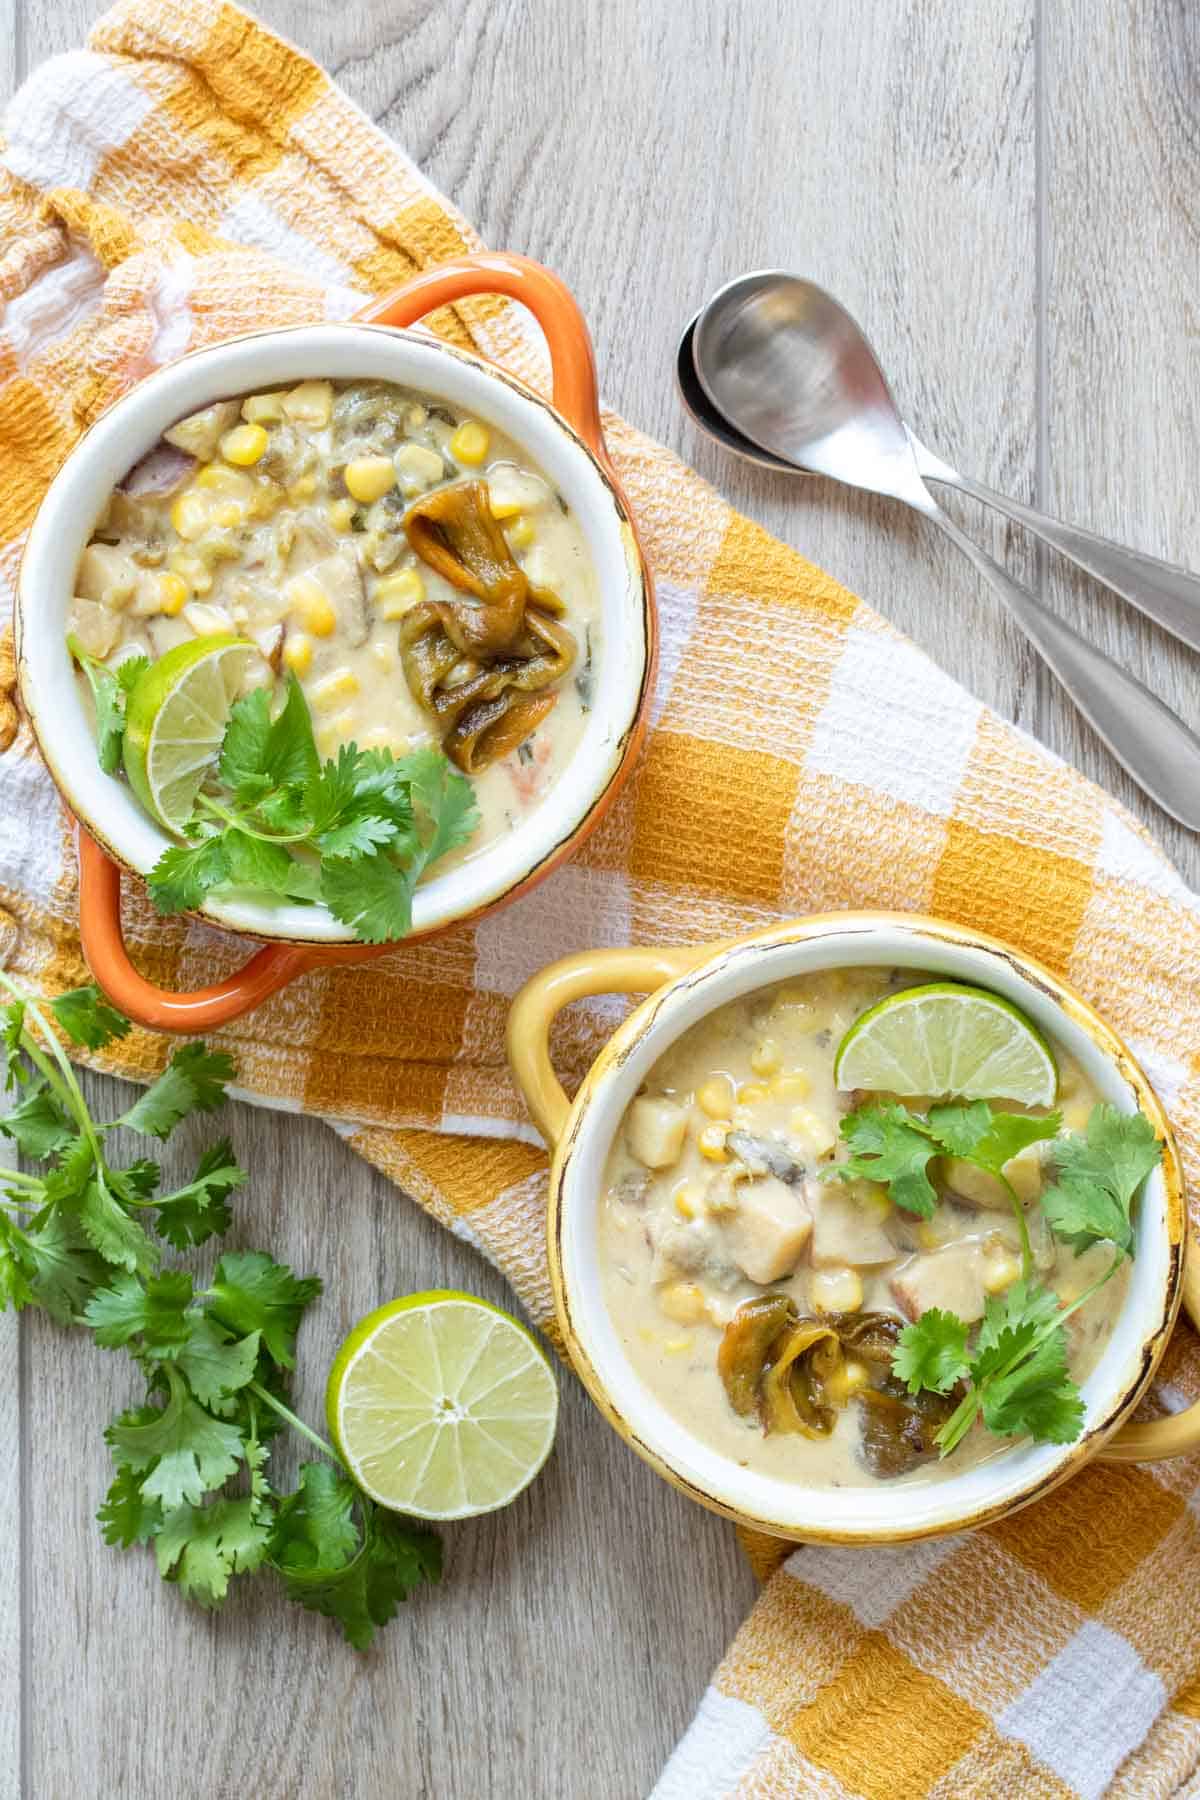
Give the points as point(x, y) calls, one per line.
point(1122, 337)
point(12, 1598)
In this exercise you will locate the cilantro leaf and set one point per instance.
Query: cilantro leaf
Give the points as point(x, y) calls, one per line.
point(200, 1548)
point(256, 862)
point(303, 882)
point(182, 876)
point(87, 1018)
point(216, 1363)
point(193, 1214)
point(251, 1293)
point(182, 1451)
point(932, 1353)
point(311, 1547)
point(16, 1289)
point(64, 1266)
point(126, 1515)
point(108, 696)
point(110, 1230)
point(1037, 1398)
point(156, 1311)
point(1099, 1176)
point(358, 836)
point(889, 1143)
point(246, 746)
point(193, 1081)
point(445, 797)
point(130, 671)
point(290, 759)
point(371, 894)
point(38, 1124)
point(1012, 1322)
point(987, 1138)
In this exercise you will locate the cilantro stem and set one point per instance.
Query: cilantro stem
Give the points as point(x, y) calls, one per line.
point(241, 822)
point(285, 1412)
point(21, 1177)
point(67, 1088)
point(1022, 1224)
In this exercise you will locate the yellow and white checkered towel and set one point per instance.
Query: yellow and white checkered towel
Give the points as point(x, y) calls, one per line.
point(189, 176)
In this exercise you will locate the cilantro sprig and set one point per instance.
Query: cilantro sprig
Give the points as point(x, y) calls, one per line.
point(191, 1460)
point(1014, 1374)
point(356, 831)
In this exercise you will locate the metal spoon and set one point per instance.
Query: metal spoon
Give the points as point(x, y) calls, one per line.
point(789, 374)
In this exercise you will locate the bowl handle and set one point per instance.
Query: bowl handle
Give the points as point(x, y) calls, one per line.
point(593, 972)
point(1177, 1433)
point(141, 1000)
point(550, 301)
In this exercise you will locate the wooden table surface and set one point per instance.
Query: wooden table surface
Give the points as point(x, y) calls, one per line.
point(1005, 193)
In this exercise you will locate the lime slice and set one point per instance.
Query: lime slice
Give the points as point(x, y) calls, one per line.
point(175, 719)
point(441, 1406)
point(946, 1038)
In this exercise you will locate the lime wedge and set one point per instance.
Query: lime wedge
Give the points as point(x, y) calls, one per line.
point(946, 1038)
point(441, 1406)
point(175, 719)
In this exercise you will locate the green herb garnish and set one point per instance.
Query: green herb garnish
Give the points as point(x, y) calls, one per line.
point(110, 688)
point(1016, 1370)
point(74, 1241)
point(356, 832)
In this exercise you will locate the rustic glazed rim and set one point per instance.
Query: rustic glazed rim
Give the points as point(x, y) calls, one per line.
point(695, 969)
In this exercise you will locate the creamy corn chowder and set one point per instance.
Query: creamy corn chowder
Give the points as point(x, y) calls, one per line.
point(761, 1304)
point(412, 568)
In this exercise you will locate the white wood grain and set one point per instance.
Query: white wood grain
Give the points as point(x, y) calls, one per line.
point(915, 157)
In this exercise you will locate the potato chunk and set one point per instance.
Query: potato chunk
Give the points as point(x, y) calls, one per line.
point(951, 1278)
point(95, 626)
point(200, 434)
point(655, 1130)
point(847, 1228)
point(769, 1231)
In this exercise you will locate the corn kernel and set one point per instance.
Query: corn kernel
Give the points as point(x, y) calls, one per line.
point(874, 1199)
point(244, 445)
point(333, 689)
point(384, 655)
point(715, 1096)
point(399, 593)
point(818, 1134)
point(520, 533)
point(795, 1085)
point(189, 567)
point(309, 404)
point(369, 478)
point(327, 740)
point(340, 513)
point(172, 594)
point(750, 1093)
point(219, 478)
point(683, 1302)
point(765, 1058)
point(303, 488)
point(836, 1290)
point(928, 1235)
point(311, 605)
point(504, 509)
point(262, 409)
point(189, 516)
point(711, 1143)
point(298, 652)
point(1076, 1115)
point(688, 1199)
point(999, 1273)
point(677, 1345)
point(228, 515)
point(470, 443)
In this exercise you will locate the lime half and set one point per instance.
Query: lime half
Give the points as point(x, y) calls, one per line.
point(441, 1406)
point(946, 1038)
point(175, 719)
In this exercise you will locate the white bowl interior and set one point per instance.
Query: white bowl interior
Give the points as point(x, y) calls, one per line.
point(271, 359)
point(913, 1507)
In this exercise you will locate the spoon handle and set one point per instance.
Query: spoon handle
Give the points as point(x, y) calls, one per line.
point(1164, 592)
point(1144, 735)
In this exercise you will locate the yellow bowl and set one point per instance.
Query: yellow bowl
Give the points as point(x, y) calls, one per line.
point(686, 984)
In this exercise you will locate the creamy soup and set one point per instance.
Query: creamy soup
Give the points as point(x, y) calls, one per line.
point(420, 577)
point(713, 1198)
